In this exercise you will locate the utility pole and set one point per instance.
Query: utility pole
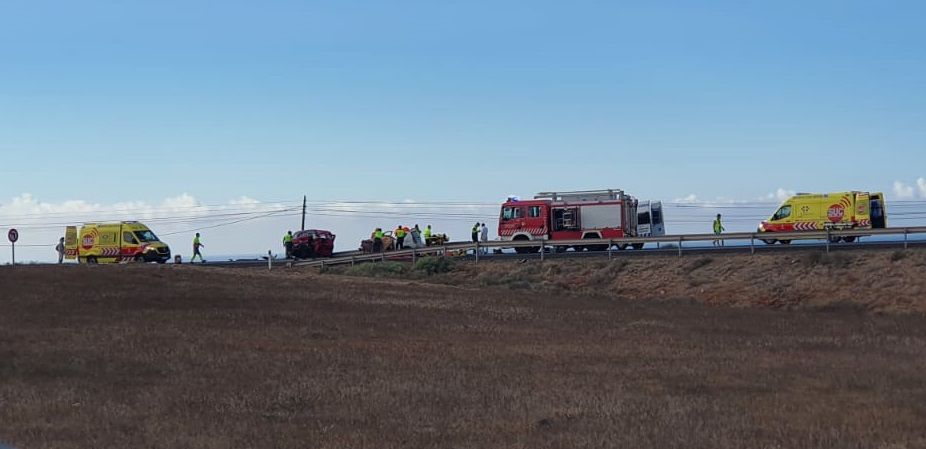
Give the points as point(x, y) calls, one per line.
point(303, 212)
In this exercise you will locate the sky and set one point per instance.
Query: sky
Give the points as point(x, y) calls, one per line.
point(188, 107)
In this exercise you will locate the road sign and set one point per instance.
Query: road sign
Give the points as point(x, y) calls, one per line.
point(13, 235)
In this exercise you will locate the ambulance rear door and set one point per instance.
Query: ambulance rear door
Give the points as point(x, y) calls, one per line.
point(70, 243)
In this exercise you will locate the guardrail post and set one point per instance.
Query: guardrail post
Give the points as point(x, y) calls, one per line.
point(414, 255)
point(610, 244)
point(828, 240)
point(904, 239)
point(323, 265)
point(752, 244)
point(269, 261)
point(351, 260)
point(476, 251)
point(679, 247)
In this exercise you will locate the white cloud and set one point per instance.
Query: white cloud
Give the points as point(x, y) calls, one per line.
point(921, 185)
point(903, 191)
point(781, 194)
point(690, 198)
point(184, 202)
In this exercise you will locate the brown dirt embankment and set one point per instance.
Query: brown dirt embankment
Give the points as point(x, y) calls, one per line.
point(877, 280)
point(187, 357)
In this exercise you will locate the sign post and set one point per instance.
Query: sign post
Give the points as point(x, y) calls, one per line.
point(13, 235)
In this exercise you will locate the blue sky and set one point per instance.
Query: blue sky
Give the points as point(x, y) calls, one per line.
point(118, 101)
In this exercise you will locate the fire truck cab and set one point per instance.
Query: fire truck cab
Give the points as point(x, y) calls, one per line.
point(650, 219)
point(595, 214)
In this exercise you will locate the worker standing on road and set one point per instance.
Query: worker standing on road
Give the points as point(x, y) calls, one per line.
point(60, 248)
point(288, 244)
point(485, 238)
point(399, 237)
point(196, 246)
point(718, 229)
point(378, 240)
point(427, 235)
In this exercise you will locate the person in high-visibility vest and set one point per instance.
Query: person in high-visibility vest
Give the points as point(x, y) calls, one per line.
point(196, 246)
point(427, 235)
point(378, 240)
point(399, 234)
point(718, 229)
point(288, 244)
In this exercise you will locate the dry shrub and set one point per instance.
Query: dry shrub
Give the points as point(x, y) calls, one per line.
point(378, 269)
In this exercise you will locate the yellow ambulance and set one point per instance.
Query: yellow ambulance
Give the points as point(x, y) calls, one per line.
point(822, 211)
point(113, 243)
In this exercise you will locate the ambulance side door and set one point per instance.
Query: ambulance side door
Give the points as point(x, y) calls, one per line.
point(129, 243)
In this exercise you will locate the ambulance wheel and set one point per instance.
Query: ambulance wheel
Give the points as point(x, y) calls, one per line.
point(91, 260)
point(637, 246)
point(785, 242)
point(140, 258)
point(835, 239)
point(849, 239)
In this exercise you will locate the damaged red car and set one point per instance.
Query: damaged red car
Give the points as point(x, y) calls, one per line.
point(313, 243)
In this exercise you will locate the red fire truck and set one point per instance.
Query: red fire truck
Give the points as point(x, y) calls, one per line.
point(592, 214)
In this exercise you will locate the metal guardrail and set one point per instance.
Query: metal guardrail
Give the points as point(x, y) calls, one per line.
point(543, 244)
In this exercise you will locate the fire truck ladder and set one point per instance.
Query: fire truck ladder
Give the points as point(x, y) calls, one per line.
point(582, 195)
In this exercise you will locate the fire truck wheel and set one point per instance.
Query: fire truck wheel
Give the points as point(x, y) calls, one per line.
point(578, 248)
point(622, 246)
point(785, 242)
point(637, 246)
point(769, 241)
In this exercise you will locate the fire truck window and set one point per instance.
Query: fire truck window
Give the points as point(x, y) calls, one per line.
point(657, 216)
point(784, 212)
point(533, 211)
point(507, 213)
point(129, 238)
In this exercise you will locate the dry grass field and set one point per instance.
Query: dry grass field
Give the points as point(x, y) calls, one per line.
point(190, 357)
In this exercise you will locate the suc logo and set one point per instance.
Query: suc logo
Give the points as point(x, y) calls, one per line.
point(835, 213)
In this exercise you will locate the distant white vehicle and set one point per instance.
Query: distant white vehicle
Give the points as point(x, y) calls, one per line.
point(650, 221)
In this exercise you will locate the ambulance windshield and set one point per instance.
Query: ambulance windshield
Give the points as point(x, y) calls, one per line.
point(146, 236)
